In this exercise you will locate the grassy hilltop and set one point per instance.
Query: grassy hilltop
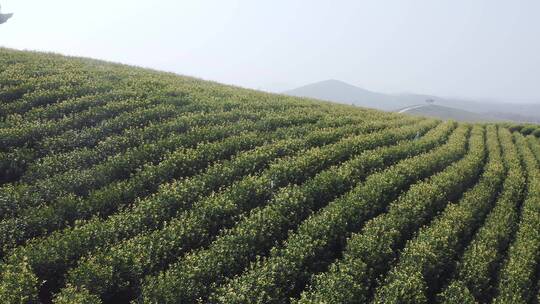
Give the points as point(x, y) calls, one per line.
point(122, 184)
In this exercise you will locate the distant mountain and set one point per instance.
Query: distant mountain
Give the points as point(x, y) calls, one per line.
point(447, 113)
point(342, 92)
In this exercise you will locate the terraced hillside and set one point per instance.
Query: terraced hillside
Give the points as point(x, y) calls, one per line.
point(122, 184)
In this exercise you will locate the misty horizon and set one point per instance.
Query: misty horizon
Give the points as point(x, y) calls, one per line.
point(477, 99)
point(482, 51)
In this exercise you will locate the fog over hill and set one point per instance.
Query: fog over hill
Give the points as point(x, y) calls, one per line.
point(342, 92)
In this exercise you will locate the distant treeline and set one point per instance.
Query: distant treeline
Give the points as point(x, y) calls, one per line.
point(525, 129)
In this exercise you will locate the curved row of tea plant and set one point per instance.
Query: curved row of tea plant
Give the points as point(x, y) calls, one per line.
point(63, 247)
point(370, 252)
point(478, 267)
point(318, 239)
point(519, 272)
point(346, 146)
point(18, 197)
point(195, 274)
point(14, 158)
point(48, 218)
point(32, 221)
point(427, 260)
point(83, 158)
point(91, 135)
point(209, 215)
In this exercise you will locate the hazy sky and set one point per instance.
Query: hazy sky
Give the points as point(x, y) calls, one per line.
point(468, 48)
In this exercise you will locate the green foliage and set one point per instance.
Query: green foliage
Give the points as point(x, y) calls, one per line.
point(257, 231)
point(311, 246)
point(370, 251)
point(477, 270)
point(133, 257)
point(519, 271)
point(429, 257)
point(526, 129)
point(73, 296)
point(19, 284)
point(123, 184)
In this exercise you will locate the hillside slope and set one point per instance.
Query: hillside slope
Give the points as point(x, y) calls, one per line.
point(446, 113)
point(122, 184)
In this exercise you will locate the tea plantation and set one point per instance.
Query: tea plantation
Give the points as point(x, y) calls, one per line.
point(120, 184)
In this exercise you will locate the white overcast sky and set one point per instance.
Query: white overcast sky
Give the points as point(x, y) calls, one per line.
point(465, 48)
